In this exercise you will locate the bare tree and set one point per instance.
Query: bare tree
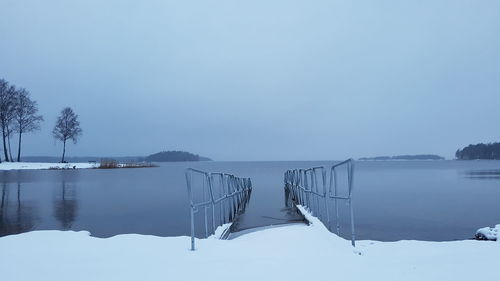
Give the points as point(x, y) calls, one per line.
point(67, 128)
point(4, 86)
point(7, 107)
point(25, 116)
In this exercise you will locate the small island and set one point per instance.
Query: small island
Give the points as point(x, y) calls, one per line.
point(484, 151)
point(175, 156)
point(404, 157)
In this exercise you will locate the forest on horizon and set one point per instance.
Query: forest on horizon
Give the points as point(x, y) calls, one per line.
point(485, 151)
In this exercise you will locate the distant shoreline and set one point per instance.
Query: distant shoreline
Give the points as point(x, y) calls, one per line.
point(418, 157)
point(165, 156)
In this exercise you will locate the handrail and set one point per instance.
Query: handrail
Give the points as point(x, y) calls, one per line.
point(304, 187)
point(233, 195)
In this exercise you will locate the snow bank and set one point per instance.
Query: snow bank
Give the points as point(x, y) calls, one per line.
point(488, 233)
point(295, 252)
point(45, 166)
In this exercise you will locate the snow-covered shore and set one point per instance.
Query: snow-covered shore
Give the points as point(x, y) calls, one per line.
point(44, 166)
point(295, 252)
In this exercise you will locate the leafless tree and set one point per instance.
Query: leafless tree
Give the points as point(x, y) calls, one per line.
point(7, 108)
point(67, 128)
point(25, 116)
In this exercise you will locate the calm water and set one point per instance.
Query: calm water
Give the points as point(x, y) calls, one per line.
point(443, 200)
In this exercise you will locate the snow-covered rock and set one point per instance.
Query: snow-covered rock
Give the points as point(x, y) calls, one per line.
point(488, 233)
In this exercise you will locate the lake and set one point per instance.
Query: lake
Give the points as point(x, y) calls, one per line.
point(393, 200)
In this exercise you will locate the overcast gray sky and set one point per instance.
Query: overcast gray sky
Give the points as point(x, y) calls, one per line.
point(258, 80)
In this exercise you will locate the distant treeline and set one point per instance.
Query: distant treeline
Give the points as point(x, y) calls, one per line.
point(489, 151)
point(175, 156)
point(165, 156)
point(404, 157)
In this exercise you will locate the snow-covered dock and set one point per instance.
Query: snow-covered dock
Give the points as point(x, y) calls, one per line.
point(294, 252)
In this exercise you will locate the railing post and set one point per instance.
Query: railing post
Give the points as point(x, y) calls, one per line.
point(205, 208)
point(335, 193)
point(211, 192)
point(323, 175)
point(221, 187)
point(191, 203)
point(316, 189)
point(351, 182)
point(308, 193)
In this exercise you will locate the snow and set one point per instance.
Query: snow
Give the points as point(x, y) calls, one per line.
point(44, 166)
point(311, 219)
point(221, 231)
point(488, 233)
point(294, 252)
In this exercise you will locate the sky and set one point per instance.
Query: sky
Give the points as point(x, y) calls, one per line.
point(258, 80)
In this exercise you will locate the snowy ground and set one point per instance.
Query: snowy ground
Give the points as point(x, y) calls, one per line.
point(44, 166)
point(295, 252)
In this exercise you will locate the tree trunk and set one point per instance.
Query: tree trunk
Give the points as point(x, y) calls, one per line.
point(10, 149)
point(64, 151)
point(4, 136)
point(19, 147)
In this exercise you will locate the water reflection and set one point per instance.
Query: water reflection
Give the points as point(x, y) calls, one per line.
point(66, 203)
point(291, 212)
point(16, 215)
point(283, 212)
point(483, 174)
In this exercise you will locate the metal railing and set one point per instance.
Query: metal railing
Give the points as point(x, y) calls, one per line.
point(225, 194)
point(303, 187)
